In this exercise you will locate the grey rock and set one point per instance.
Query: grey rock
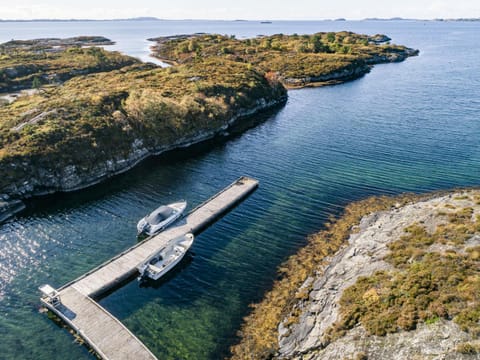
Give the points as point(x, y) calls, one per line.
point(362, 256)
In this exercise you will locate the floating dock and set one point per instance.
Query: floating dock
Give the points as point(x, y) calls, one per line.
point(102, 331)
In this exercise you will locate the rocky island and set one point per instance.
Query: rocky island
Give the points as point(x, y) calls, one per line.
point(393, 278)
point(73, 114)
point(296, 60)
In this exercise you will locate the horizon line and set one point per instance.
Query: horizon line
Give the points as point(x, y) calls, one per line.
point(151, 18)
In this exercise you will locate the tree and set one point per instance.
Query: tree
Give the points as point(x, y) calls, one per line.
point(317, 45)
point(331, 37)
point(36, 83)
point(99, 55)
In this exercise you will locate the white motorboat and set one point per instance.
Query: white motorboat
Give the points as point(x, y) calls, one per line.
point(162, 217)
point(161, 263)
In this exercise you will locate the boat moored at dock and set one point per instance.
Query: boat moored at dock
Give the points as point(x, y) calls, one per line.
point(162, 262)
point(161, 218)
point(75, 302)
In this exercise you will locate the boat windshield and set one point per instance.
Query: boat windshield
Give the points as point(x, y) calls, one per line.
point(159, 215)
point(155, 260)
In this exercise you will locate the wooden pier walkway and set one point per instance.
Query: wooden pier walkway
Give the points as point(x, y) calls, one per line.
point(101, 330)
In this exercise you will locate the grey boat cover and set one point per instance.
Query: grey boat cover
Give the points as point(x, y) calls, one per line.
point(159, 215)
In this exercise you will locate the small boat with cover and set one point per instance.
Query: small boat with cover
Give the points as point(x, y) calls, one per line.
point(161, 263)
point(161, 218)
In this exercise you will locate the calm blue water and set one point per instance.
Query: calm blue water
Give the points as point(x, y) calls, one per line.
point(411, 126)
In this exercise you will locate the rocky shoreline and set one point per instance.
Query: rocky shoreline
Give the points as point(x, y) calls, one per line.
point(348, 73)
point(314, 307)
point(362, 256)
point(10, 208)
point(71, 179)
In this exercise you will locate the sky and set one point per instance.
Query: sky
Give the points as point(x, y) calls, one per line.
point(239, 9)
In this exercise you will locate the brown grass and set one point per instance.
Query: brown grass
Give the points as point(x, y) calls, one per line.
point(423, 286)
point(293, 57)
point(259, 333)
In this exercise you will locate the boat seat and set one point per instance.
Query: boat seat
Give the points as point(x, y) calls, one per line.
point(154, 268)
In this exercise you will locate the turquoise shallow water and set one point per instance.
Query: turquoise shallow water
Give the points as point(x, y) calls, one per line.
point(412, 126)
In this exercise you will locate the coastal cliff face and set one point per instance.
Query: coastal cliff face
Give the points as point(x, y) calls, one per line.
point(405, 284)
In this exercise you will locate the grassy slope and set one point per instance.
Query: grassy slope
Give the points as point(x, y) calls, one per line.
point(26, 64)
point(96, 117)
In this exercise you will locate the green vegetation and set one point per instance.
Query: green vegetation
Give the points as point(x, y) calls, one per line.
point(316, 56)
point(94, 118)
point(29, 64)
point(259, 333)
point(425, 284)
point(88, 106)
point(436, 276)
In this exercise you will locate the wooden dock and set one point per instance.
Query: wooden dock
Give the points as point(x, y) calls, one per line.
point(101, 330)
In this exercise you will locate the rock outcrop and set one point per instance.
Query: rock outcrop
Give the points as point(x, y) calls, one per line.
point(393, 278)
point(70, 178)
point(9, 208)
point(442, 340)
point(363, 256)
point(351, 72)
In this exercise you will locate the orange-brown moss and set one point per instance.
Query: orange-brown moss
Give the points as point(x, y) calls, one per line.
point(259, 333)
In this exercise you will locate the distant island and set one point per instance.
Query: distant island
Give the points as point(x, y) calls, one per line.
point(73, 114)
point(389, 19)
point(152, 18)
point(141, 18)
point(459, 19)
point(403, 19)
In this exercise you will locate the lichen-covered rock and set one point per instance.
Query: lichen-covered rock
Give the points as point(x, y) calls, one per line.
point(443, 340)
point(364, 255)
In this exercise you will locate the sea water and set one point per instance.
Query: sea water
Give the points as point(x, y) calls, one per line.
point(411, 126)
